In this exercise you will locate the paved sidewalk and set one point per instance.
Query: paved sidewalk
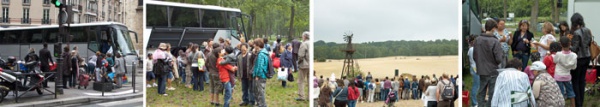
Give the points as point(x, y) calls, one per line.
point(74, 95)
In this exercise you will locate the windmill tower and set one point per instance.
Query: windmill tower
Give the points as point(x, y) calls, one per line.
point(348, 68)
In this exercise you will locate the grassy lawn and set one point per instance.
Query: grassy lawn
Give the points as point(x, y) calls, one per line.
point(276, 95)
point(590, 100)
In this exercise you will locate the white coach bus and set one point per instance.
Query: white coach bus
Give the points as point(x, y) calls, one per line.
point(88, 37)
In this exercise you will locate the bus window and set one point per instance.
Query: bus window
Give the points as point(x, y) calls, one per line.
point(37, 38)
point(94, 43)
point(9, 38)
point(214, 19)
point(22, 37)
point(51, 35)
point(78, 35)
point(158, 16)
point(185, 17)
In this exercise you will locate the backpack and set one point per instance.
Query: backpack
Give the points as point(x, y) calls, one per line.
point(161, 67)
point(392, 96)
point(447, 91)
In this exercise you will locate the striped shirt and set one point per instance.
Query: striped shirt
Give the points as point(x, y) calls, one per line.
point(510, 81)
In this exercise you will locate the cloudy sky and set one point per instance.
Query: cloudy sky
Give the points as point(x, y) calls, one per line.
point(384, 20)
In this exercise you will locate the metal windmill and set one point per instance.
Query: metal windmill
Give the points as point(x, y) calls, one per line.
point(348, 68)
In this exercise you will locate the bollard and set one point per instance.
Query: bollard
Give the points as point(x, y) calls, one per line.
point(133, 71)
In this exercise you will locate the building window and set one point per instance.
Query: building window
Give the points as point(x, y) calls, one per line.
point(25, 16)
point(5, 18)
point(46, 16)
point(26, 1)
point(46, 1)
point(5, 1)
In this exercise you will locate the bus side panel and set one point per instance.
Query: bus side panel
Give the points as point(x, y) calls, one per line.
point(24, 50)
point(9, 50)
point(197, 36)
point(166, 35)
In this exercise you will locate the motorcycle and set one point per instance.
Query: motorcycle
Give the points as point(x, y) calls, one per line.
point(10, 82)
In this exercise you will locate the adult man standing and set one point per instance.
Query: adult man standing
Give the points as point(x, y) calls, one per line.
point(45, 57)
point(488, 55)
point(215, 84)
point(304, 65)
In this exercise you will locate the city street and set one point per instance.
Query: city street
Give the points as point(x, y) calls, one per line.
point(85, 97)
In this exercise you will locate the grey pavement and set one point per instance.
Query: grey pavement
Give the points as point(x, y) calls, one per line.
point(79, 96)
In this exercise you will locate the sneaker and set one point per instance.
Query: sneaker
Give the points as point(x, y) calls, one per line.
point(165, 95)
point(148, 85)
point(171, 88)
point(154, 85)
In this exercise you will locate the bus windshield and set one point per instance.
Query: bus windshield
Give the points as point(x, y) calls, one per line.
point(123, 41)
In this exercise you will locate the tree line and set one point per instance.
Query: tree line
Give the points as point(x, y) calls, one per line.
point(331, 50)
point(288, 18)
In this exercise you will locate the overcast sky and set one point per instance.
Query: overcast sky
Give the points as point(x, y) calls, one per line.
point(384, 20)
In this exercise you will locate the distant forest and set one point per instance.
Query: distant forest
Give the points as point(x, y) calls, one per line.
point(330, 50)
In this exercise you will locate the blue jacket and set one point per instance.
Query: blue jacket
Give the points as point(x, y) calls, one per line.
point(415, 84)
point(261, 65)
point(406, 83)
point(286, 59)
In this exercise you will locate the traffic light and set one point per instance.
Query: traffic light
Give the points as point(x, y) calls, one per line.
point(57, 49)
point(57, 3)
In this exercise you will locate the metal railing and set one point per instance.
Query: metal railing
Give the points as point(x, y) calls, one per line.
point(5, 20)
point(46, 21)
point(26, 20)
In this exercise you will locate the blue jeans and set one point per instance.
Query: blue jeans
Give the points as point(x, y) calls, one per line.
point(382, 94)
point(227, 96)
point(475, 87)
point(415, 93)
point(206, 77)
point(566, 88)
point(351, 103)
point(247, 97)
point(396, 94)
point(197, 80)
point(150, 76)
point(162, 83)
point(182, 74)
point(91, 68)
point(524, 57)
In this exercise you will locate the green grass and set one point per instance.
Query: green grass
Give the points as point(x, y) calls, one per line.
point(276, 95)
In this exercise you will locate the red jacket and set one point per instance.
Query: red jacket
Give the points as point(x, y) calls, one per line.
point(224, 70)
point(353, 93)
point(550, 65)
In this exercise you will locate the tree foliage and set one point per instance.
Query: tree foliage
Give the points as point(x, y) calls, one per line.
point(331, 50)
point(521, 8)
point(269, 17)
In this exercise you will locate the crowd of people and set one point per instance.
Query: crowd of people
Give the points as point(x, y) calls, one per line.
point(221, 65)
point(332, 92)
point(557, 72)
point(110, 68)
